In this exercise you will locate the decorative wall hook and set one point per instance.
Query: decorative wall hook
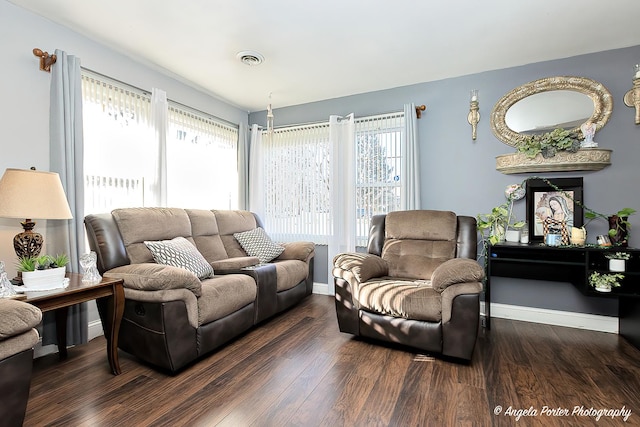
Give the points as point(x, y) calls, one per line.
point(420, 109)
point(474, 113)
point(46, 60)
point(632, 97)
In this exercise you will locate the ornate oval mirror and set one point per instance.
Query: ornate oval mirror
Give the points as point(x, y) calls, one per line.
point(545, 104)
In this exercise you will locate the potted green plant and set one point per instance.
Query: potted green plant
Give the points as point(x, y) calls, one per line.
point(498, 221)
point(617, 260)
point(42, 271)
point(603, 282)
point(619, 224)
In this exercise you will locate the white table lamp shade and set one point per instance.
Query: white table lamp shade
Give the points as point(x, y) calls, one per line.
point(32, 194)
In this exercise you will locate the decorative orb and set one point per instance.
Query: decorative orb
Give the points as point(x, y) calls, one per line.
point(514, 192)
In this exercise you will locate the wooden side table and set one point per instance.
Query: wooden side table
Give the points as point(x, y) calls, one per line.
point(109, 296)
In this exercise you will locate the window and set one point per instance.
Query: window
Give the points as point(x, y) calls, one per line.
point(378, 169)
point(202, 161)
point(121, 154)
point(297, 177)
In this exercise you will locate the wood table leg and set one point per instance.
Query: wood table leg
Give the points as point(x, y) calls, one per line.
point(115, 311)
point(61, 331)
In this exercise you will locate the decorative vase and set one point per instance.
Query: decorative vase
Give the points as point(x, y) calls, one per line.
point(578, 235)
point(617, 265)
point(618, 224)
point(43, 279)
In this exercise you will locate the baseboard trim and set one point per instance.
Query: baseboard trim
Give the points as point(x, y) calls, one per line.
point(592, 322)
point(321, 288)
point(95, 329)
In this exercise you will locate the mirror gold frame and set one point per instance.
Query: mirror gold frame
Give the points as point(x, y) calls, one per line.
point(602, 102)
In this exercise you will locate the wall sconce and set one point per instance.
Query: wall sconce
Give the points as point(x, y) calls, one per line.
point(474, 114)
point(632, 97)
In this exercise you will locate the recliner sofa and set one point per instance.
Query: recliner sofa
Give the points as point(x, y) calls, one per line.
point(171, 317)
point(418, 284)
point(18, 336)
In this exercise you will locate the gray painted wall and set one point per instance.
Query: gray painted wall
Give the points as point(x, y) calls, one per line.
point(459, 174)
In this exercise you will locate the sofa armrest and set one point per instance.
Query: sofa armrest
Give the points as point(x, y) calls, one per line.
point(17, 317)
point(457, 270)
point(302, 251)
point(450, 293)
point(155, 277)
point(359, 267)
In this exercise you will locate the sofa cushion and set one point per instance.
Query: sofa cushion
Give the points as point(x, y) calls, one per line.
point(179, 252)
point(139, 224)
point(415, 252)
point(225, 294)
point(230, 222)
point(257, 243)
point(409, 299)
point(206, 235)
point(17, 317)
point(235, 263)
point(156, 277)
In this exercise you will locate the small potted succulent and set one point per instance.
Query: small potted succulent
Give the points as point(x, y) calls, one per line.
point(42, 271)
point(603, 282)
point(617, 260)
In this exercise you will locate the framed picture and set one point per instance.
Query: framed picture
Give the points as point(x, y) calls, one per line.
point(544, 201)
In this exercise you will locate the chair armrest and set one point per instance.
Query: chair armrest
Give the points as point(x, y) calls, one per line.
point(457, 270)
point(297, 250)
point(17, 317)
point(359, 266)
point(154, 277)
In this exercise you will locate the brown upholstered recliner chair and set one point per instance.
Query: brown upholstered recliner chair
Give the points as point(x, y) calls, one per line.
point(17, 338)
point(419, 284)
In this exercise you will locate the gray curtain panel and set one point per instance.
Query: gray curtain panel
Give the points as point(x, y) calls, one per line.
point(66, 158)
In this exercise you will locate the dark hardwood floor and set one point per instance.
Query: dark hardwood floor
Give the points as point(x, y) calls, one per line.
point(299, 370)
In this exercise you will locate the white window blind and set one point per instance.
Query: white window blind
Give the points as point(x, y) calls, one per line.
point(202, 161)
point(297, 177)
point(296, 183)
point(116, 142)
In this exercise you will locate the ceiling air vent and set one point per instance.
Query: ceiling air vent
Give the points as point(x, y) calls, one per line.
point(249, 57)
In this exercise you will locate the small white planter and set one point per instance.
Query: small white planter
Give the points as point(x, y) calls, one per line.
point(603, 289)
point(512, 236)
point(617, 265)
point(50, 278)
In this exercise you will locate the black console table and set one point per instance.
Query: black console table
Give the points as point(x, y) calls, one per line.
point(571, 264)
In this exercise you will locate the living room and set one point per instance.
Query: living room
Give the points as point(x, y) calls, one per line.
point(457, 172)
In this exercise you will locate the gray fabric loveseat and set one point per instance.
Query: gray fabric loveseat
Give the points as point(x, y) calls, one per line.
point(174, 315)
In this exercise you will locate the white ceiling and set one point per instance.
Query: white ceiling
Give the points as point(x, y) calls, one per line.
point(322, 49)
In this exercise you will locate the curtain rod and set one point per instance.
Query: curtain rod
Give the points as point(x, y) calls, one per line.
point(46, 60)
